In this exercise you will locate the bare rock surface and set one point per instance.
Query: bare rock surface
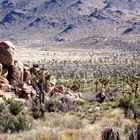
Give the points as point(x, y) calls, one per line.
point(7, 53)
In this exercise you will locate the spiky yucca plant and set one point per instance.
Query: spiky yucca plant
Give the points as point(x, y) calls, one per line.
point(110, 134)
point(135, 135)
point(22, 122)
point(6, 123)
point(15, 107)
point(10, 123)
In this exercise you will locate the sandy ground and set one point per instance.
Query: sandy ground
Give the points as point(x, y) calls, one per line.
point(38, 54)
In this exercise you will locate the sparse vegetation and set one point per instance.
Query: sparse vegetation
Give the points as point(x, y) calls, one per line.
point(109, 88)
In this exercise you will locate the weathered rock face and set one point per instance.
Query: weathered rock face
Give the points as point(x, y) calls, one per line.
point(4, 85)
point(60, 89)
point(8, 95)
point(26, 75)
point(0, 69)
point(5, 72)
point(15, 75)
point(7, 53)
point(1, 93)
point(49, 83)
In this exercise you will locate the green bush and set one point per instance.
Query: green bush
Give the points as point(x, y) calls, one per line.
point(126, 101)
point(79, 102)
point(22, 123)
point(38, 109)
point(10, 123)
point(15, 107)
point(53, 105)
point(6, 123)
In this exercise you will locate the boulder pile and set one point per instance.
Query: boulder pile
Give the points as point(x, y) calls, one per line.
point(18, 80)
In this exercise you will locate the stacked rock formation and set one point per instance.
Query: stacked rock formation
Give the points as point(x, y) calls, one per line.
point(12, 72)
point(23, 81)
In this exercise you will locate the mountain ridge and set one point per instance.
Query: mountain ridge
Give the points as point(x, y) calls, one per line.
point(58, 22)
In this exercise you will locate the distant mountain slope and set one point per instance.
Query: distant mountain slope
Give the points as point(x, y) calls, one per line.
point(56, 22)
point(127, 4)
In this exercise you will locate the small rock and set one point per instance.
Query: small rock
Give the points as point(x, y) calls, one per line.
point(8, 95)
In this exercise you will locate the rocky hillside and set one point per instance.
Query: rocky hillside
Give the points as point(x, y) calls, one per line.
point(133, 5)
point(59, 22)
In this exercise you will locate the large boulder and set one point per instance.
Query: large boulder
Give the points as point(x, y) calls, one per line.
point(49, 83)
point(7, 53)
point(15, 75)
point(26, 91)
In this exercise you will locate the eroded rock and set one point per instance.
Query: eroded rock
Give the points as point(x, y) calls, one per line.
point(7, 53)
point(1, 67)
point(15, 75)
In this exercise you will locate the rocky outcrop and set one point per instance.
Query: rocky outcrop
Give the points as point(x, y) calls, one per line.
point(22, 81)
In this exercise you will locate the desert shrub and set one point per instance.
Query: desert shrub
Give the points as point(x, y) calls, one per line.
point(69, 134)
point(38, 109)
point(53, 105)
point(136, 108)
point(2, 105)
point(126, 101)
point(15, 107)
point(79, 102)
point(22, 122)
point(74, 123)
point(131, 105)
point(6, 123)
point(10, 123)
point(110, 134)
